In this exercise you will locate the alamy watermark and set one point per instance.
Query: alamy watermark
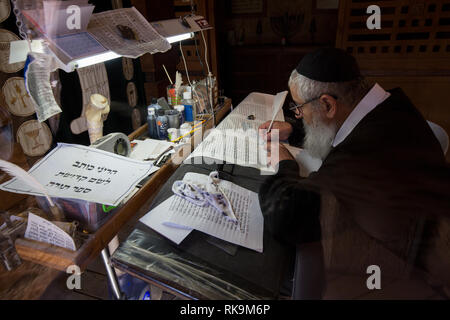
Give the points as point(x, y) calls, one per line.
point(374, 280)
point(74, 280)
point(74, 19)
point(374, 21)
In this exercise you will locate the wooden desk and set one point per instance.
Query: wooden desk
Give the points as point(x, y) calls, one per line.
point(60, 258)
point(201, 266)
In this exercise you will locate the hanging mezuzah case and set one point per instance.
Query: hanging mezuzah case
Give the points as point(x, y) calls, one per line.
point(6, 135)
point(128, 68)
point(136, 118)
point(132, 95)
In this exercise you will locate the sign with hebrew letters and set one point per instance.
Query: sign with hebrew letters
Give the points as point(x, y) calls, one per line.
point(84, 173)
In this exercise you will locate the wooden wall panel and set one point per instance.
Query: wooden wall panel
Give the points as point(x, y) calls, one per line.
point(411, 50)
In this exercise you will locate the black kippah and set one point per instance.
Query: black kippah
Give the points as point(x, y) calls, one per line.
point(329, 65)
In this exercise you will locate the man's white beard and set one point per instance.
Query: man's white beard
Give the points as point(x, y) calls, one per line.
point(318, 137)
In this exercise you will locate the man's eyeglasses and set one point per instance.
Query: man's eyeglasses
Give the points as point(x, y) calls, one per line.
point(293, 106)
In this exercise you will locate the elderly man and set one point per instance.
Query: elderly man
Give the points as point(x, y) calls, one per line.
point(380, 158)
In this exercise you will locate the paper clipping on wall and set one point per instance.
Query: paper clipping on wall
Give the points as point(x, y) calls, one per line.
point(84, 173)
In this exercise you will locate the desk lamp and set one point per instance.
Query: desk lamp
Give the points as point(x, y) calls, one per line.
point(172, 30)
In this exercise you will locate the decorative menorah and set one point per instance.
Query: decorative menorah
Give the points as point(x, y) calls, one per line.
point(20, 96)
point(287, 25)
point(34, 134)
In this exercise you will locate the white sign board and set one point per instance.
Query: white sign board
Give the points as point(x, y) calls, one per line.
point(80, 172)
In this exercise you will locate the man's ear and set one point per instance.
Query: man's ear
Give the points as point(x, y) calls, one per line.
point(330, 104)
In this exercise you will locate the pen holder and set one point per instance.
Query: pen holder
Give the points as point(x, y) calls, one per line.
point(174, 118)
point(172, 98)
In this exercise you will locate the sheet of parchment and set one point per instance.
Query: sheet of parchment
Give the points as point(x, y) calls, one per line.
point(248, 232)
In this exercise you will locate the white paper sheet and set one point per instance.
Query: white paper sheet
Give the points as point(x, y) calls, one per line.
point(260, 105)
point(278, 102)
point(149, 148)
point(155, 219)
point(19, 49)
point(236, 121)
point(242, 147)
point(103, 26)
point(248, 232)
point(80, 172)
point(236, 139)
point(40, 229)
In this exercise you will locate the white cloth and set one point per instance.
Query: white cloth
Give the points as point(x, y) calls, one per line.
point(371, 100)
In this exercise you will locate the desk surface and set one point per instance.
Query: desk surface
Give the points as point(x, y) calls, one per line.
point(196, 268)
point(60, 258)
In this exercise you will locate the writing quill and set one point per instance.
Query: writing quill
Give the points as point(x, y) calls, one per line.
point(178, 83)
point(17, 172)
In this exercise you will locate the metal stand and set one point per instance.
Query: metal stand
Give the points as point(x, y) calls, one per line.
point(112, 276)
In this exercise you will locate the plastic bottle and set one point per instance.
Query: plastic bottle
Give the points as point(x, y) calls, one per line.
point(180, 109)
point(162, 124)
point(155, 105)
point(151, 120)
point(189, 110)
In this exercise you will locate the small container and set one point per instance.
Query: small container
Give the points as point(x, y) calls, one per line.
point(185, 128)
point(174, 118)
point(188, 103)
point(151, 120)
point(180, 109)
point(173, 134)
point(162, 124)
point(172, 97)
point(154, 105)
point(90, 215)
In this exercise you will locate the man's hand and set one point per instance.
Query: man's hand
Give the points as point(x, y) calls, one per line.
point(283, 153)
point(285, 129)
